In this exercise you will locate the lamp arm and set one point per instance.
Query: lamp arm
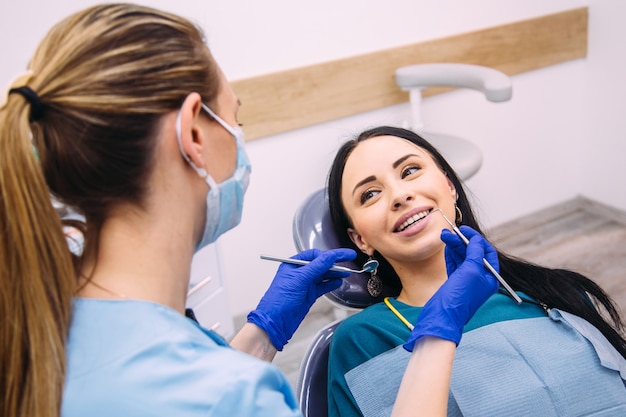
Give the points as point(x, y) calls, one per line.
point(495, 84)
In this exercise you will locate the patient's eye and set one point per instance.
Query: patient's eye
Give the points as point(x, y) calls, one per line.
point(410, 170)
point(368, 194)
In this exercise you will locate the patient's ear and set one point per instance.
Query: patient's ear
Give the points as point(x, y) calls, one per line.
point(452, 188)
point(357, 239)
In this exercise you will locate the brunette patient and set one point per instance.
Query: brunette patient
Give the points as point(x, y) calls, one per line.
point(560, 352)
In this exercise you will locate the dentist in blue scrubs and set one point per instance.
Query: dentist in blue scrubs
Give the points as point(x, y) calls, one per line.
point(124, 115)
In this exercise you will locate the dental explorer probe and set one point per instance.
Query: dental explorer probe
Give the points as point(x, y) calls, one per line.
point(491, 269)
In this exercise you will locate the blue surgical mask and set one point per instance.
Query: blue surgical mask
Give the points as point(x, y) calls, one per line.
point(224, 200)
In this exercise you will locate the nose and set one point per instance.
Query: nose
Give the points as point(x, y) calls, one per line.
point(401, 197)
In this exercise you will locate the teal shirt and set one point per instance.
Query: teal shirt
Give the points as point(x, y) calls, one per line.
point(377, 329)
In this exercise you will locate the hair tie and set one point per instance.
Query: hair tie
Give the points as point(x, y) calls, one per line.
point(36, 106)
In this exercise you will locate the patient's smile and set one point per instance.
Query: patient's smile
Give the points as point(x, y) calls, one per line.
point(411, 220)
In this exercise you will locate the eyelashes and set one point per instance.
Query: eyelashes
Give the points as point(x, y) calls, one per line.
point(408, 171)
point(366, 195)
point(412, 169)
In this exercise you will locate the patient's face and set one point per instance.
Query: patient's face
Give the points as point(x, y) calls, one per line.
point(389, 188)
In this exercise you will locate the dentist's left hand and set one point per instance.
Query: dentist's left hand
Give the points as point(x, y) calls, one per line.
point(294, 290)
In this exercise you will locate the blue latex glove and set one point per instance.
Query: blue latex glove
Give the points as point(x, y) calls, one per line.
point(468, 286)
point(294, 290)
point(456, 249)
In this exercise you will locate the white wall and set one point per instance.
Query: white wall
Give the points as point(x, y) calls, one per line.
point(555, 139)
point(603, 168)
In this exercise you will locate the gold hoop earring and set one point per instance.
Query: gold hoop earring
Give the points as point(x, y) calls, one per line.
point(459, 215)
point(374, 283)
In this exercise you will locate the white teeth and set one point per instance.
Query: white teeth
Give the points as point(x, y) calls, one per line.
point(419, 216)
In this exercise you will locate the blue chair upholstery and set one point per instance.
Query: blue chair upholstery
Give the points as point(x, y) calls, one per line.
point(312, 383)
point(312, 228)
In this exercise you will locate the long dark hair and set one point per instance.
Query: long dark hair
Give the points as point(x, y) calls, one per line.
point(555, 288)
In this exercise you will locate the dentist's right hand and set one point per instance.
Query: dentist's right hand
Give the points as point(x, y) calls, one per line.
point(468, 286)
point(294, 290)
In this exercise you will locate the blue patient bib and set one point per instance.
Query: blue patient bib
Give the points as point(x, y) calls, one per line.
point(547, 366)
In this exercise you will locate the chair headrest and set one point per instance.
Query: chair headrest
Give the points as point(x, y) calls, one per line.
point(312, 228)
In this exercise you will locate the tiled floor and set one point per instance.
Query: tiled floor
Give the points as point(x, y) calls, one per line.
point(578, 234)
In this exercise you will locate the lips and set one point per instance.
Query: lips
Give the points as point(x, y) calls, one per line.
point(412, 220)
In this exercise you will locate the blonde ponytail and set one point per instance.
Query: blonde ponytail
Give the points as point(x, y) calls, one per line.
point(37, 277)
point(102, 80)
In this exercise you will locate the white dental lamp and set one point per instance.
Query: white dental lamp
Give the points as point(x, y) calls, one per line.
point(464, 156)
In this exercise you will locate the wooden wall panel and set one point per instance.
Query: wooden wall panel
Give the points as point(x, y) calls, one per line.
point(314, 94)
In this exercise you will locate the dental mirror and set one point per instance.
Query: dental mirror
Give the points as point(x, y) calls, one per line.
point(369, 266)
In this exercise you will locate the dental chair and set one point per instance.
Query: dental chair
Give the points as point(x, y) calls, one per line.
point(312, 226)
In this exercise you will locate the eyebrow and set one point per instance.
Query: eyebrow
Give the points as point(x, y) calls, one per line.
point(395, 165)
point(401, 160)
point(364, 181)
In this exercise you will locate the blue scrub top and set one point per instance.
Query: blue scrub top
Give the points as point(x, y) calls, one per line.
point(137, 358)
